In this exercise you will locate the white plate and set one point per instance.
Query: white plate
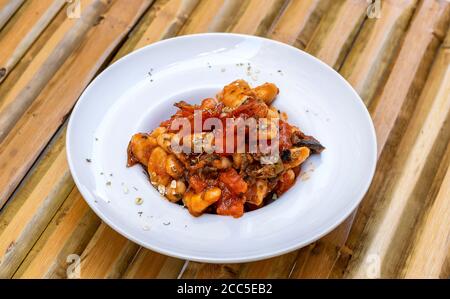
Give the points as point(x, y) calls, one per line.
point(137, 92)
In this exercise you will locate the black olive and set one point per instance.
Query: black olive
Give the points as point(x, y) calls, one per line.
point(286, 155)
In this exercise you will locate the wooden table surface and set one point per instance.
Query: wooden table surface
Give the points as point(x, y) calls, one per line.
point(395, 55)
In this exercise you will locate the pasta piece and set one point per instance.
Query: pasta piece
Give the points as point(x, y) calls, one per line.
point(158, 131)
point(174, 167)
point(175, 190)
point(297, 155)
point(140, 148)
point(286, 181)
point(198, 202)
point(272, 113)
point(156, 167)
point(164, 141)
point(238, 160)
point(235, 93)
point(257, 192)
point(208, 104)
point(222, 163)
point(266, 92)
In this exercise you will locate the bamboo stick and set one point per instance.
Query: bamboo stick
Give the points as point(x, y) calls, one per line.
point(339, 27)
point(257, 17)
point(7, 10)
point(211, 16)
point(430, 247)
point(27, 59)
point(277, 267)
point(200, 270)
point(298, 21)
point(31, 37)
point(55, 255)
point(48, 111)
point(159, 23)
point(11, 36)
point(436, 17)
point(428, 27)
point(378, 42)
point(107, 254)
point(68, 234)
point(419, 154)
point(170, 19)
point(148, 264)
point(330, 255)
point(45, 64)
point(34, 205)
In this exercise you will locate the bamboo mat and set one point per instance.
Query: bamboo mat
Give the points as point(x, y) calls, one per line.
point(396, 56)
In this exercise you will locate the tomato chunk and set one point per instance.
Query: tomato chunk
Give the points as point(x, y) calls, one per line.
point(233, 181)
point(286, 181)
point(197, 183)
point(229, 204)
point(285, 135)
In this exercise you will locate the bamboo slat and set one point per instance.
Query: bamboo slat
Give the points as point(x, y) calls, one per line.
point(51, 254)
point(148, 264)
point(426, 32)
point(211, 16)
point(31, 37)
point(45, 63)
point(107, 254)
point(345, 253)
point(164, 20)
point(298, 22)
point(27, 59)
point(378, 41)
point(433, 232)
point(419, 154)
point(38, 14)
point(323, 258)
point(200, 270)
point(7, 10)
point(48, 111)
point(403, 86)
point(24, 219)
point(257, 16)
point(332, 39)
point(68, 234)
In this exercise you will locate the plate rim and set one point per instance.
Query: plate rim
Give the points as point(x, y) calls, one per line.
point(190, 257)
